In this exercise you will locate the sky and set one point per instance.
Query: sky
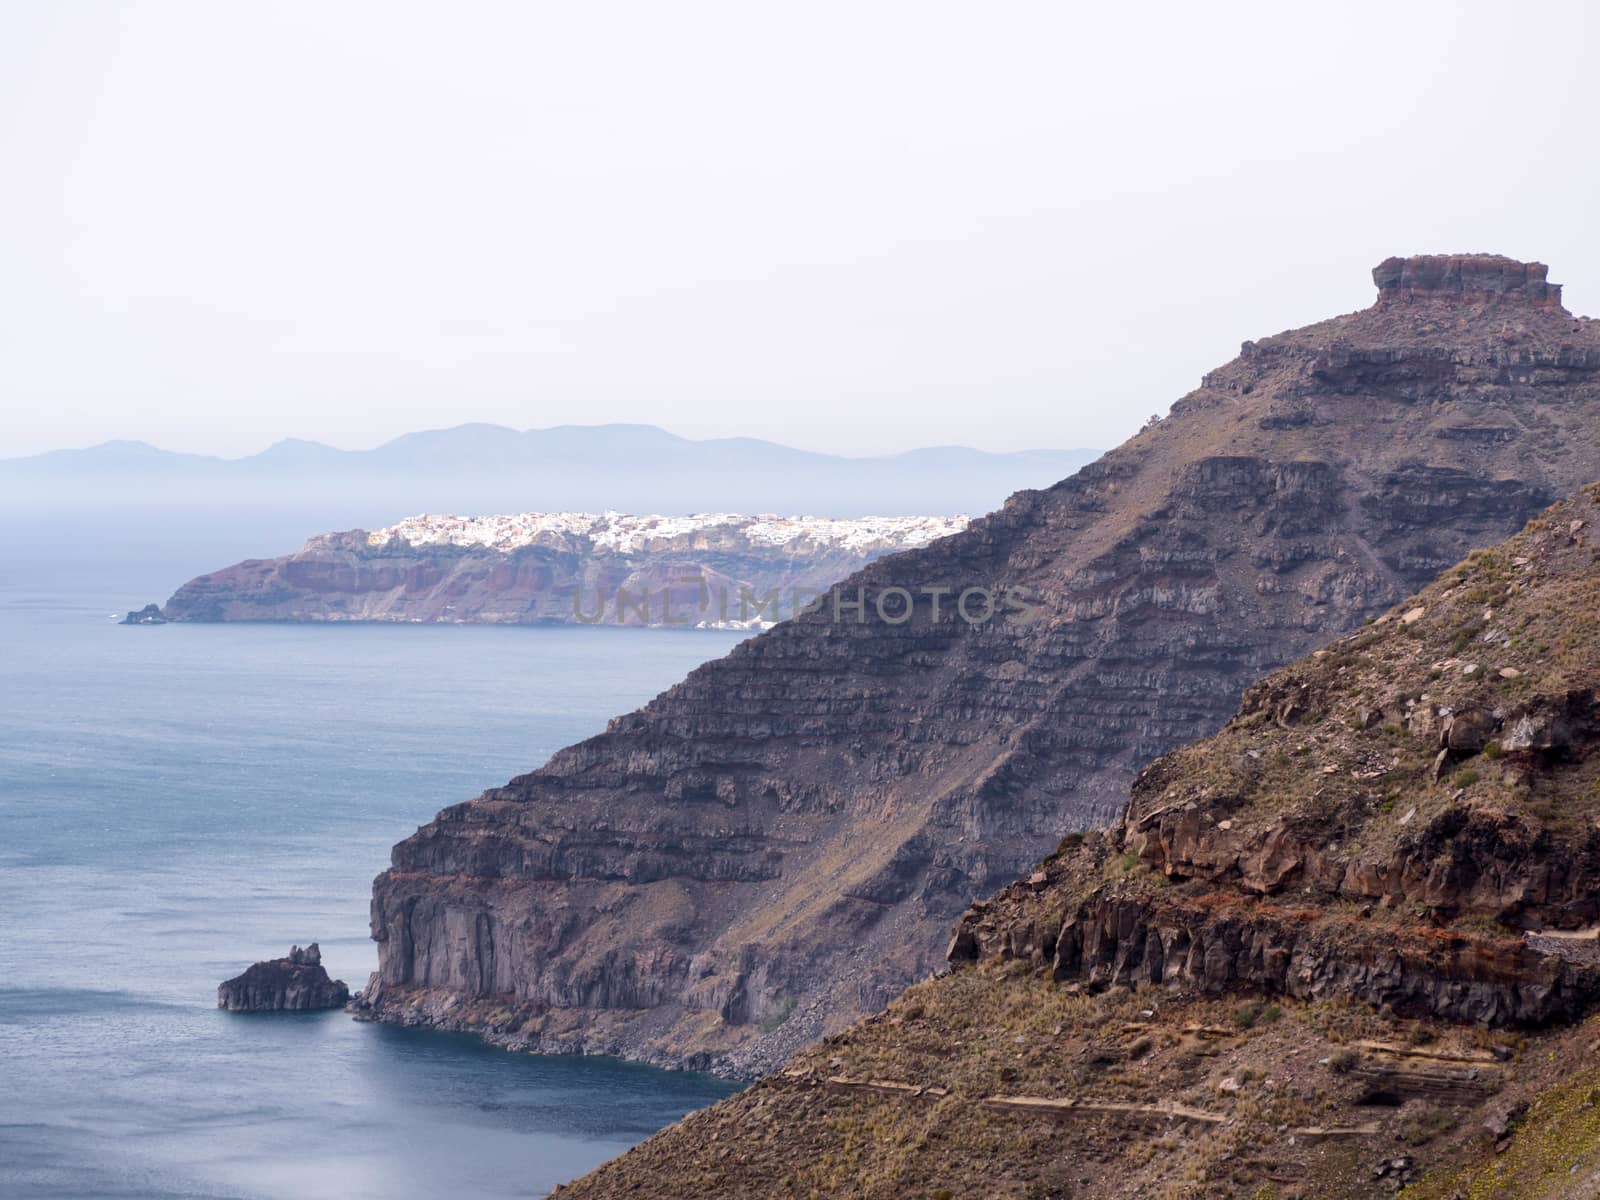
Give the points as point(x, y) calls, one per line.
point(856, 227)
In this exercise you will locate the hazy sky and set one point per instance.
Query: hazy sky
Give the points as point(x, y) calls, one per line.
point(855, 226)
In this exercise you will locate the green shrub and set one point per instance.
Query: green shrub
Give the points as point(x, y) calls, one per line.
point(777, 1014)
point(1342, 1062)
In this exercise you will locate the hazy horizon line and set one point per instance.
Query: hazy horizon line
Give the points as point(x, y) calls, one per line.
point(291, 439)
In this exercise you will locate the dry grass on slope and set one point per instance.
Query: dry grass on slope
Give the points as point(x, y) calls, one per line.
point(1026, 1076)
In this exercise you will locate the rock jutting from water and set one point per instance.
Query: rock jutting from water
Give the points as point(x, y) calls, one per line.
point(298, 982)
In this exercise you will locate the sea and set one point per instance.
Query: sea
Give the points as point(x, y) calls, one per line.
point(179, 801)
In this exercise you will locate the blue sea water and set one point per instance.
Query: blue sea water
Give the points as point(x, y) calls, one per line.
point(179, 801)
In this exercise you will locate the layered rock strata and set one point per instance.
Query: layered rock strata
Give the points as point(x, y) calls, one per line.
point(1314, 958)
point(779, 843)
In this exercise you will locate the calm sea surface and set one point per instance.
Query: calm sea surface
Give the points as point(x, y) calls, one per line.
point(179, 801)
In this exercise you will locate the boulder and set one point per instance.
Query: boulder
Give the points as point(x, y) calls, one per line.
point(298, 982)
point(1469, 731)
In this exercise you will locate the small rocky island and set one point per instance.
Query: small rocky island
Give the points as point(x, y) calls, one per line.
point(296, 983)
point(150, 614)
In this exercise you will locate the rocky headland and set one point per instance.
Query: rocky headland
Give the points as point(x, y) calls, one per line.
point(717, 570)
point(298, 982)
point(1345, 947)
point(779, 844)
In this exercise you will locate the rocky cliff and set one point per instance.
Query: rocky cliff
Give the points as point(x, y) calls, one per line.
point(720, 570)
point(298, 982)
point(1343, 947)
point(779, 843)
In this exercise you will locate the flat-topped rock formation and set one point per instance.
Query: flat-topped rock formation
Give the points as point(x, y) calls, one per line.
point(1466, 278)
point(716, 570)
point(779, 843)
point(298, 982)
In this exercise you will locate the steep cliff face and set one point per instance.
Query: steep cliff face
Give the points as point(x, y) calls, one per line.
point(1345, 945)
point(779, 843)
point(718, 569)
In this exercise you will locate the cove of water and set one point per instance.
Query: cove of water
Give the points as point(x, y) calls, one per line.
point(179, 801)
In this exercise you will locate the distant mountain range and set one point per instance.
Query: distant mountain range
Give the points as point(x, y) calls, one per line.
point(481, 468)
point(135, 519)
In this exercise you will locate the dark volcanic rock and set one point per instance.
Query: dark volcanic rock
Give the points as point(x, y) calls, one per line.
point(1476, 277)
point(780, 841)
point(297, 983)
point(150, 614)
point(1299, 934)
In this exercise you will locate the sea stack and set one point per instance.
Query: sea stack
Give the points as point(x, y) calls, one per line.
point(296, 983)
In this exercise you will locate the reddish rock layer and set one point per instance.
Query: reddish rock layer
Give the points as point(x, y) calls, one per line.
point(1468, 278)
